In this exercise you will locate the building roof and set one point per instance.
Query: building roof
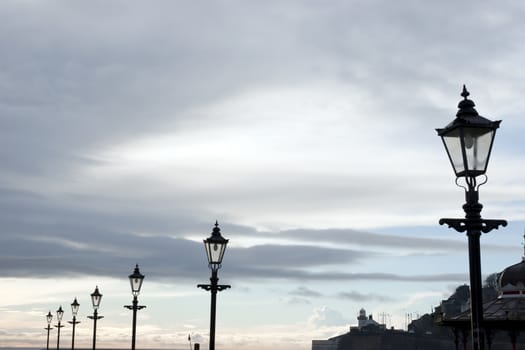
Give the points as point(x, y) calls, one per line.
point(507, 311)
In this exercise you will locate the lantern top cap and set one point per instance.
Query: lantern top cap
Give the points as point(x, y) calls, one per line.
point(467, 116)
point(466, 106)
point(96, 293)
point(136, 273)
point(216, 236)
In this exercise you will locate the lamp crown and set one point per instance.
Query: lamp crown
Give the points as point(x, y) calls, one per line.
point(216, 230)
point(466, 106)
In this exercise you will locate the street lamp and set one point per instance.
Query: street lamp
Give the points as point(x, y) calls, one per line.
point(135, 280)
point(60, 313)
point(74, 310)
point(49, 318)
point(96, 297)
point(215, 246)
point(468, 141)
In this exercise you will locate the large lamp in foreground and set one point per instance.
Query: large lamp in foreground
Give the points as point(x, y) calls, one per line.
point(468, 140)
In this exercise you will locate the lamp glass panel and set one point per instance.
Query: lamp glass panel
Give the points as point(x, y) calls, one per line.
point(478, 142)
point(468, 149)
point(136, 284)
point(49, 317)
point(96, 297)
point(74, 307)
point(452, 141)
point(215, 251)
point(60, 313)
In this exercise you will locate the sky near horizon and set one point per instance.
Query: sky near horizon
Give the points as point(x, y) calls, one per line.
point(306, 128)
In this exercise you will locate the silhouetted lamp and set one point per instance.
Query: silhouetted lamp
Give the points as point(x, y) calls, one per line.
point(215, 246)
point(74, 310)
point(49, 318)
point(135, 280)
point(60, 314)
point(74, 307)
point(468, 140)
point(96, 297)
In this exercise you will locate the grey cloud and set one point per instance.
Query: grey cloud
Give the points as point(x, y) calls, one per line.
point(291, 256)
point(357, 296)
point(371, 239)
point(41, 239)
point(298, 301)
point(75, 86)
point(301, 275)
point(305, 292)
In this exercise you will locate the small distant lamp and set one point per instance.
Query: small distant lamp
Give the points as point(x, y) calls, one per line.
point(96, 297)
point(74, 310)
point(135, 280)
point(60, 314)
point(215, 246)
point(49, 318)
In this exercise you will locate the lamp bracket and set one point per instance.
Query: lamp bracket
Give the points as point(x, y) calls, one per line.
point(136, 307)
point(483, 225)
point(95, 317)
point(212, 287)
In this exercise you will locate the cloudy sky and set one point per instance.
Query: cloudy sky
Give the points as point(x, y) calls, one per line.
point(306, 128)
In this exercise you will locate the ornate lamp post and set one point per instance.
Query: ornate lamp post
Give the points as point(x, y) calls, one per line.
point(74, 310)
point(468, 141)
point(135, 279)
point(49, 318)
point(60, 313)
point(96, 297)
point(215, 246)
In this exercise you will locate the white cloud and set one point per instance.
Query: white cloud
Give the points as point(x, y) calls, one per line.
point(326, 317)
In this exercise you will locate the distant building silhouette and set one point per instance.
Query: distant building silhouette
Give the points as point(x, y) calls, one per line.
point(365, 324)
point(448, 326)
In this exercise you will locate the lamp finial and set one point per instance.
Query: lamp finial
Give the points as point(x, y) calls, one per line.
point(465, 92)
